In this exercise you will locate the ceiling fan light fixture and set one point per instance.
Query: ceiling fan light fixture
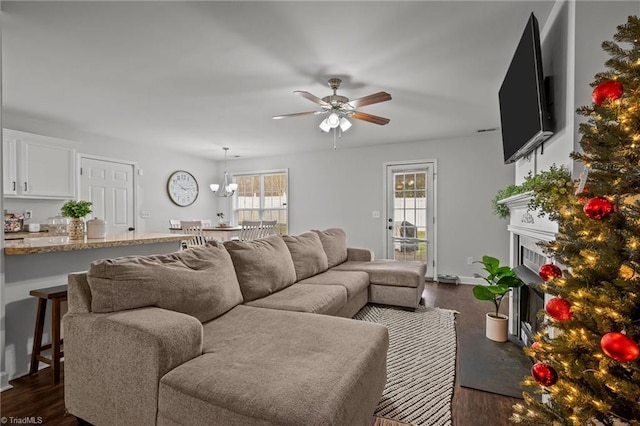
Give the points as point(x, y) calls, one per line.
point(333, 120)
point(324, 125)
point(344, 124)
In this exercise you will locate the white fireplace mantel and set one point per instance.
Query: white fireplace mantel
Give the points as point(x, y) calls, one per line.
point(523, 221)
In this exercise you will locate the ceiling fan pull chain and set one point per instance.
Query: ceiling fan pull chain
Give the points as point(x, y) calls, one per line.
point(334, 137)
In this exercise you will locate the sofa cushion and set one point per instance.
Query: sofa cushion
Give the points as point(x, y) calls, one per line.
point(269, 367)
point(389, 272)
point(200, 281)
point(353, 281)
point(263, 266)
point(334, 243)
point(316, 299)
point(307, 253)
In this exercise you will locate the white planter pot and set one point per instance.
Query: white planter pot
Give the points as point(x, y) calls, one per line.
point(497, 329)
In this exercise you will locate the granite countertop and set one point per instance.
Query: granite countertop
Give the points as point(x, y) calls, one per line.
point(48, 244)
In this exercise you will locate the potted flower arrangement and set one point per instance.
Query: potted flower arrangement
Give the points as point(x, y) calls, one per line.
point(501, 280)
point(76, 210)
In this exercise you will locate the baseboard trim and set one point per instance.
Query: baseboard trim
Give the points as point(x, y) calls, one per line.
point(471, 280)
point(4, 382)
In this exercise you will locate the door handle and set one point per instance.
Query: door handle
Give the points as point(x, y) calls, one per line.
point(131, 228)
point(14, 185)
point(25, 186)
point(390, 228)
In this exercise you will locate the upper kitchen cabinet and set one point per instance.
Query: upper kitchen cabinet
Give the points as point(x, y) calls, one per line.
point(36, 166)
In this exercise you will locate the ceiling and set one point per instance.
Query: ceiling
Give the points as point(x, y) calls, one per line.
point(197, 76)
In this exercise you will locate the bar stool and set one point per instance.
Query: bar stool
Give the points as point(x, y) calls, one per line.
point(57, 295)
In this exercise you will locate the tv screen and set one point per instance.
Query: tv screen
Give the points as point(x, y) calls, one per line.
point(524, 117)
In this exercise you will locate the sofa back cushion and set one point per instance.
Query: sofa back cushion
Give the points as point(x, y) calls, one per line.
point(334, 243)
point(262, 266)
point(200, 281)
point(308, 256)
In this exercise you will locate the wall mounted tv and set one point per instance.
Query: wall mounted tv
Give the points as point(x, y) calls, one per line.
point(524, 116)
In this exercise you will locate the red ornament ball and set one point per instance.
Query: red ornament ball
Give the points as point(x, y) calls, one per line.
point(620, 347)
point(549, 271)
point(544, 374)
point(559, 309)
point(611, 90)
point(598, 208)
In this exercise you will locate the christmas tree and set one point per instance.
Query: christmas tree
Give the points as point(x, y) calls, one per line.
point(587, 362)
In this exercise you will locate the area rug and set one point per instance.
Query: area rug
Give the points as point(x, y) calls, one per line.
point(491, 366)
point(421, 364)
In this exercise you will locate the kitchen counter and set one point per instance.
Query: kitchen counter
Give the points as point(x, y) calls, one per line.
point(49, 244)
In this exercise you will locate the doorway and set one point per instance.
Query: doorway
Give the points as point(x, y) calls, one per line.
point(410, 189)
point(109, 185)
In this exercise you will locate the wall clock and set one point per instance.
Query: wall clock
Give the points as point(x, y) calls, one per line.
point(182, 188)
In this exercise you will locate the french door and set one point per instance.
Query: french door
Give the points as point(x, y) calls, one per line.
point(410, 207)
point(109, 185)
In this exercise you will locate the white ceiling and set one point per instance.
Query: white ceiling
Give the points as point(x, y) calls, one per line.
point(203, 75)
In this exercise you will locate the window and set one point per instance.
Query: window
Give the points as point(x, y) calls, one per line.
point(262, 196)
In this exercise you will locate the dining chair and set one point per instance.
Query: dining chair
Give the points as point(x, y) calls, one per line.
point(250, 230)
point(206, 223)
point(193, 228)
point(267, 227)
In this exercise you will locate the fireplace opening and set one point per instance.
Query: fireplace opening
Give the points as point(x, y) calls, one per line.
point(529, 299)
point(531, 302)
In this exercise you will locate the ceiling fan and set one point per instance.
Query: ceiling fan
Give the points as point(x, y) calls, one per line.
point(338, 108)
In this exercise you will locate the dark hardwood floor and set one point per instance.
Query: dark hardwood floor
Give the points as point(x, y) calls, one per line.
point(36, 396)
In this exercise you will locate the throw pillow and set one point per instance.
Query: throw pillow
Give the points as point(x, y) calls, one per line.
point(334, 243)
point(308, 256)
point(200, 281)
point(263, 266)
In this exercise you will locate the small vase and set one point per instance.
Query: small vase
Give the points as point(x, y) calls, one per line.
point(75, 229)
point(497, 328)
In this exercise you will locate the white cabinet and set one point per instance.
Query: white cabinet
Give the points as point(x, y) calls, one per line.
point(37, 166)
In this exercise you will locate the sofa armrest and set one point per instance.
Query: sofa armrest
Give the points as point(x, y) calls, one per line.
point(114, 362)
point(359, 254)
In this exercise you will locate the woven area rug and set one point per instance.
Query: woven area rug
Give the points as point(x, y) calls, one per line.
point(421, 364)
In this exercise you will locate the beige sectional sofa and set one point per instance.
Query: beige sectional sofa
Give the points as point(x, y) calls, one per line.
point(229, 334)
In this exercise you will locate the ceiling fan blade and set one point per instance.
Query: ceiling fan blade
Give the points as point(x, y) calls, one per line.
point(370, 118)
point(297, 114)
point(312, 98)
point(371, 99)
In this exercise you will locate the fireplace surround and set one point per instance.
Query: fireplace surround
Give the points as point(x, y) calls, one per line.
point(526, 230)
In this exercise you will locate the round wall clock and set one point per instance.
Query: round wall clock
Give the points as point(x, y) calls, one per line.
point(182, 188)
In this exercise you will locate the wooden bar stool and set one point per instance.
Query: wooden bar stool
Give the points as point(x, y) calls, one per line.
point(57, 295)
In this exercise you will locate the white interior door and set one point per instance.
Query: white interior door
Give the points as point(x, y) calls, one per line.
point(410, 207)
point(109, 186)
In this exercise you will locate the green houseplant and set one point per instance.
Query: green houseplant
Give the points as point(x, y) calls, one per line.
point(500, 280)
point(76, 210)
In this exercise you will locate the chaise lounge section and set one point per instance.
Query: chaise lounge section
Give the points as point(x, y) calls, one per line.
point(230, 334)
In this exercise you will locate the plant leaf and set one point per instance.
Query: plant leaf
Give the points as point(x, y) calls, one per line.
point(481, 292)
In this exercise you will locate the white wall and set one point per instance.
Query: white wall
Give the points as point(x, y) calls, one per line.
point(155, 164)
point(342, 188)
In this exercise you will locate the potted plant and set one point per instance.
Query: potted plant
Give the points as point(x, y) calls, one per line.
point(501, 280)
point(76, 210)
point(220, 218)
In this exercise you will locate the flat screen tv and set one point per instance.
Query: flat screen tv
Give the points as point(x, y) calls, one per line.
point(524, 116)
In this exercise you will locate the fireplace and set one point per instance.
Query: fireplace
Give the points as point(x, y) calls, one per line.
point(526, 231)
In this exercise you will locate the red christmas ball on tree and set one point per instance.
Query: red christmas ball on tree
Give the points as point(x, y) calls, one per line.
point(559, 309)
point(544, 374)
point(620, 347)
point(549, 271)
point(598, 208)
point(611, 90)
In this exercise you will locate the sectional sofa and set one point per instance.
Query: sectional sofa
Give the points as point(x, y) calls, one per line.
point(231, 334)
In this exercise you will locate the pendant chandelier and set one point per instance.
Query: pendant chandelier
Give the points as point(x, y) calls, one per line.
point(226, 189)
